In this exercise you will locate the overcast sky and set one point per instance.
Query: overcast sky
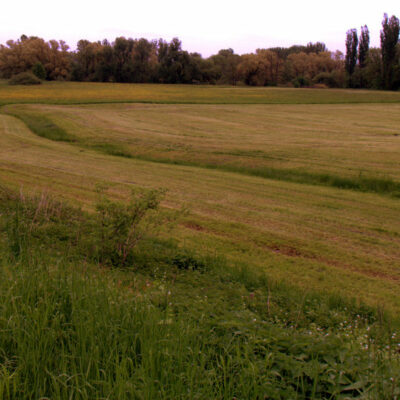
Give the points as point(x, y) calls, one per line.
point(204, 26)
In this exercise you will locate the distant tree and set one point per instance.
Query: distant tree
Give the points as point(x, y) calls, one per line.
point(358, 79)
point(389, 40)
point(21, 55)
point(260, 69)
point(144, 59)
point(39, 71)
point(104, 70)
point(396, 71)
point(251, 70)
point(363, 46)
point(203, 69)
point(123, 61)
point(351, 53)
point(317, 48)
point(174, 64)
point(272, 66)
point(226, 63)
point(351, 50)
point(372, 72)
point(84, 64)
point(303, 69)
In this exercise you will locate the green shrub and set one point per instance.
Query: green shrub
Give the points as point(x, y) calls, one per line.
point(121, 226)
point(109, 236)
point(327, 78)
point(39, 71)
point(300, 81)
point(24, 78)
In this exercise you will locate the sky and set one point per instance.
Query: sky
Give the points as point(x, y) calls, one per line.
point(204, 26)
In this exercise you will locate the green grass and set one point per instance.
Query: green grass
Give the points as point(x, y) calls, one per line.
point(44, 127)
point(338, 241)
point(274, 283)
point(72, 334)
point(70, 329)
point(93, 93)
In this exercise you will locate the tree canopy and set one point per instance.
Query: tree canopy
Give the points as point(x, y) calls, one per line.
point(158, 61)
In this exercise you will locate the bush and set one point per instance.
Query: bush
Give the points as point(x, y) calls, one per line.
point(327, 78)
point(121, 226)
point(25, 78)
point(108, 236)
point(300, 82)
point(39, 71)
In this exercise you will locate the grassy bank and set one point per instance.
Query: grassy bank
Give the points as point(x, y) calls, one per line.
point(71, 328)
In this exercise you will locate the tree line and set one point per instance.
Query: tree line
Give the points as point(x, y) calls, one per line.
point(159, 61)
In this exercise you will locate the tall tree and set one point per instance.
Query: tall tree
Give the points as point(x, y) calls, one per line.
point(124, 69)
point(226, 63)
point(351, 51)
point(363, 46)
point(389, 39)
point(317, 47)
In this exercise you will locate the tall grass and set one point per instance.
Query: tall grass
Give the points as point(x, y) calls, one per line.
point(176, 325)
point(70, 333)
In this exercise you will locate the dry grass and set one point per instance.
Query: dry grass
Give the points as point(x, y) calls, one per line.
point(341, 140)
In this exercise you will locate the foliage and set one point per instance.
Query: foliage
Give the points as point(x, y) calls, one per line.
point(389, 41)
point(21, 55)
point(363, 47)
point(260, 69)
point(373, 70)
point(24, 78)
point(226, 66)
point(158, 61)
point(300, 81)
point(122, 226)
point(109, 237)
point(39, 71)
point(330, 79)
point(351, 53)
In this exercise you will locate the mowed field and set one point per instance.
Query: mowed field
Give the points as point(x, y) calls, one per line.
point(91, 92)
point(295, 141)
point(316, 236)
